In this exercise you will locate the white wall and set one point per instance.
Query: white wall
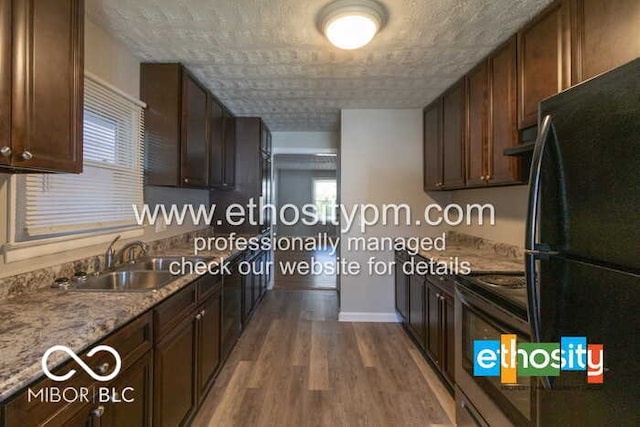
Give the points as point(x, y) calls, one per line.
point(381, 162)
point(511, 213)
point(305, 142)
point(112, 62)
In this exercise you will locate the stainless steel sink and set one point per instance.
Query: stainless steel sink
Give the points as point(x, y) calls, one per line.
point(163, 263)
point(126, 281)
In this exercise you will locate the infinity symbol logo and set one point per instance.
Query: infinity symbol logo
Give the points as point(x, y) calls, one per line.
point(79, 361)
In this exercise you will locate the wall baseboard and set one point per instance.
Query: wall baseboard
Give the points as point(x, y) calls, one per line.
point(368, 317)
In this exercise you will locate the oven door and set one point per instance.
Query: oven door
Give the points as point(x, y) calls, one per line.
point(479, 319)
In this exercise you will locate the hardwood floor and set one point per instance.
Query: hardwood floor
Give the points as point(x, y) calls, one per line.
point(296, 365)
point(296, 282)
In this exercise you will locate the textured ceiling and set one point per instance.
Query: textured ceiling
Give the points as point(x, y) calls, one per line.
point(266, 57)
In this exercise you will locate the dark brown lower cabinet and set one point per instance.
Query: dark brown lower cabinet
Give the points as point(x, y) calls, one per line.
point(209, 342)
point(137, 413)
point(430, 319)
point(401, 288)
point(174, 375)
point(232, 285)
point(417, 309)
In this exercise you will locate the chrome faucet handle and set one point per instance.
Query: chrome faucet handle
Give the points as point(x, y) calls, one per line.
point(109, 256)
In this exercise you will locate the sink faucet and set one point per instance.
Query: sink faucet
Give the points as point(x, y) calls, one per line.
point(109, 255)
point(129, 247)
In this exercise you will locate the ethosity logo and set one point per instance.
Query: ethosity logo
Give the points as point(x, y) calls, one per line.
point(508, 359)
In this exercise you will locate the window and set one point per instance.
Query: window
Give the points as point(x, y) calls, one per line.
point(101, 198)
point(325, 195)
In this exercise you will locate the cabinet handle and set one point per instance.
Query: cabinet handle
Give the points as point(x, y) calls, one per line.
point(199, 316)
point(26, 155)
point(98, 412)
point(186, 180)
point(104, 368)
point(441, 278)
point(5, 151)
point(203, 312)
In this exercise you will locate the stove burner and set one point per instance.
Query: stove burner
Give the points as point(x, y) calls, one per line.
point(503, 281)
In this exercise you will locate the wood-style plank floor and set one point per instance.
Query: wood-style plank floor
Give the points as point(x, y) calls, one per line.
point(297, 282)
point(296, 365)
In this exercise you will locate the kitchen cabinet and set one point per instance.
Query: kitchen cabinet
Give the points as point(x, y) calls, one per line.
point(222, 146)
point(134, 343)
point(503, 127)
point(251, 176)
point(187, 356)
point(453, 136)
point(176, 139)
point(605, 34)
point(254, 284)
point(431, 317)
point(477, 149)
point(544, 60)
point(232, 306)
point(401, 287)
point(41, 85)
point(175, 374)
point(432, 150)
point(417, 311)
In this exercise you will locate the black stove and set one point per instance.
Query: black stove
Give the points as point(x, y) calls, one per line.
point(507, 287)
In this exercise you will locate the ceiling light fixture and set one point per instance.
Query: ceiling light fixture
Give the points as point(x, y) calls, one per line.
point(351, 24)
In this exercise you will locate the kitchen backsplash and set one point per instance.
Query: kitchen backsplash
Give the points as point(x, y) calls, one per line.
point(503, 249)
point(41, 278)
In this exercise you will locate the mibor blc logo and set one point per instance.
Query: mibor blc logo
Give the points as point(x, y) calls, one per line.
point(91, 394)
point(88, 370)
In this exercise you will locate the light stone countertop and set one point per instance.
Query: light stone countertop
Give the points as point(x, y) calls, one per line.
point(33, 322)
point(483, 255)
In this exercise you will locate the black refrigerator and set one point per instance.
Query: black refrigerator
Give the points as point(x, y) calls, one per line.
point(583, 245)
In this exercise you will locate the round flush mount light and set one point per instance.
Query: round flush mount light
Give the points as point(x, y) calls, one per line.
point(351, 24)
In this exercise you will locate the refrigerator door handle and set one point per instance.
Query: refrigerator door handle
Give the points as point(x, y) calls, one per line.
point(533, 249)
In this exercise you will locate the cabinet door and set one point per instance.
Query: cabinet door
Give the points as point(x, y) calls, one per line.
point(478, 125)
point(231, 309)
point(174, 375)
point(229, 150)
point(216, 143)
point(48, 84)
point(434, 327)
point(5, 83)
point(401, 290)
point(194, 144)
point(432, 150)
point(544, 62)
point(89, 415)
point(453, 126)
point(504, 133)
point(448, 338)
point(417, 308)
point(209, 342)
point(607, 35)
point(137, 413)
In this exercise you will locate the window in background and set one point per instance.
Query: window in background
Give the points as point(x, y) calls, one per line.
point(101, 198)
point(325, 195)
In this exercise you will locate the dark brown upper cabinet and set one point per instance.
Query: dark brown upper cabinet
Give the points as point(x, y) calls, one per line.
point(453, 136)
point(176, 142)
point(41, 85)
point(223, 146)
point(478, 125)
point(544, 60)
point(503, 129)
point(432, 152)
point(606, 34)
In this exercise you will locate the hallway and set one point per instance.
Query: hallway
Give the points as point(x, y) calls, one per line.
point(296, 365)
point(283, 281)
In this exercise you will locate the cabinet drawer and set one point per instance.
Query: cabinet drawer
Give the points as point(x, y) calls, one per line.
point(444, 283)
point(131, 341)
point(207, 285)
point(169, 313)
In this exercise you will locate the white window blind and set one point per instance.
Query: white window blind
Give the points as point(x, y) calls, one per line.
point(112, 181)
